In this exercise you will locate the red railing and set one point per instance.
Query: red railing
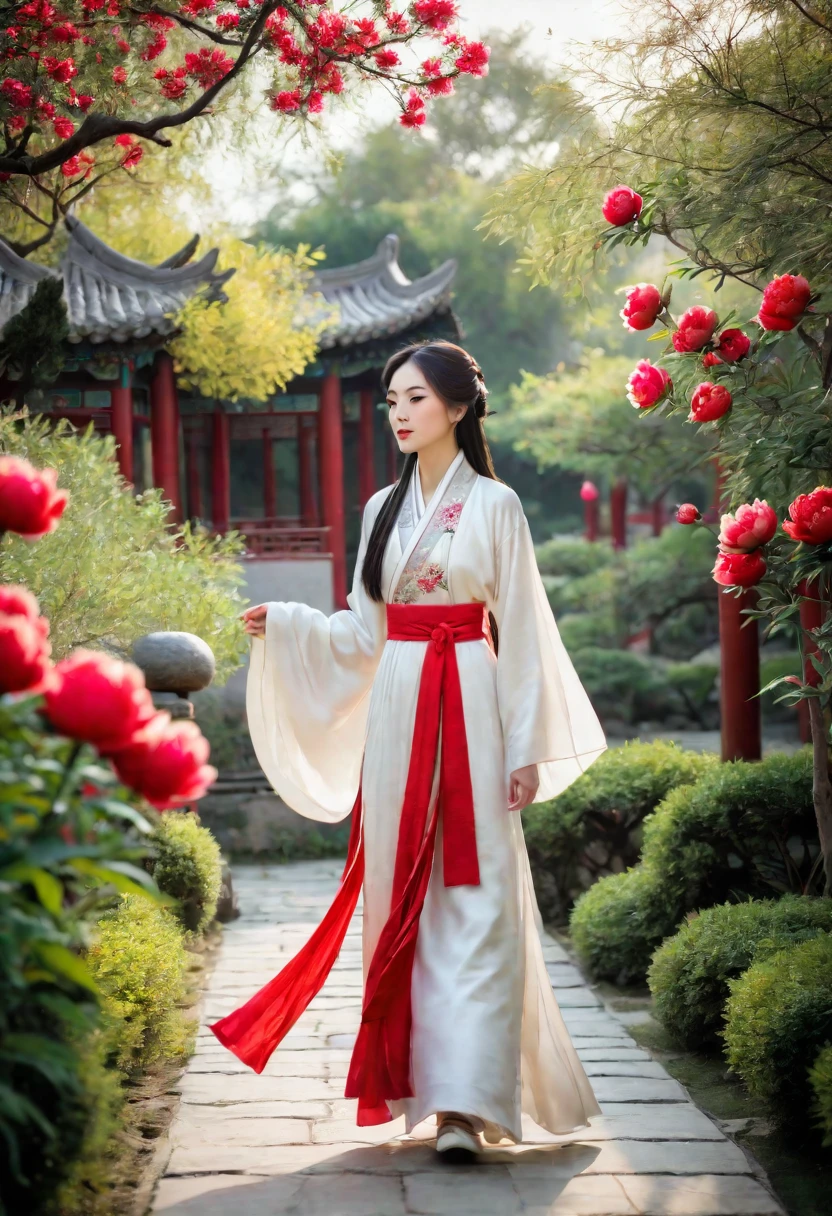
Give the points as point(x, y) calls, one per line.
point(275, 538)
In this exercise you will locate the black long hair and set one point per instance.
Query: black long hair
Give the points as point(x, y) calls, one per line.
point(457, 378)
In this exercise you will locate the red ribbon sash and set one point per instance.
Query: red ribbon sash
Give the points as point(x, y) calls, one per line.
point(380, 1065)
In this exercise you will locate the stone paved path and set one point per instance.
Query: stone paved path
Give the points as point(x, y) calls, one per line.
point(286, 1141)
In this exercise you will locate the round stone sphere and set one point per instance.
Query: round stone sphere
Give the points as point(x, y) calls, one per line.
point(174, 661)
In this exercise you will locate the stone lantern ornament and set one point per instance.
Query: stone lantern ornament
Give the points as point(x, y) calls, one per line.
point(174, 664)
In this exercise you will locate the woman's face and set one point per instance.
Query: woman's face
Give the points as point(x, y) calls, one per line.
point(418, 416)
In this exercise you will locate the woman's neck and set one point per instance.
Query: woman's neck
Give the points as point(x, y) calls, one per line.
point(434, 462)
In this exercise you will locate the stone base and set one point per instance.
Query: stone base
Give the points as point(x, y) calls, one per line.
point(261, 826)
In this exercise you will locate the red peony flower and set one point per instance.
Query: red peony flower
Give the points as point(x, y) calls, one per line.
point(286, 101)
point(733, 345)
point(436, 14)
point(19, 601)
point(785, 300)
point(647, 385)
point(119, 75)
point(17, 94)
point(61, 70)
point(739, 569)
point(24, 653)
point(589, 491)
point(474, 58)
point(752, 525)
point(63, 127)
point(166, 762)
point(709, 401)
point(621, 206)
point(99, 699)
point(687, 513)
point(386, 59)
point(643, 305)
point(30, 502)
point(442, 86)
point(71, 167)
point(811, 517)
point(696, 327)
point(711, 360)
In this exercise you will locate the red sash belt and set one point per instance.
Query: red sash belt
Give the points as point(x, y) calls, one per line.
point(380, 1066)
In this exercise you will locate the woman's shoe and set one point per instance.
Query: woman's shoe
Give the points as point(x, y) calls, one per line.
point(456, 1140)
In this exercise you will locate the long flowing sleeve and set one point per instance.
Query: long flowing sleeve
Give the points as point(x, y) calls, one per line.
point(307, 696)
point(547, 717)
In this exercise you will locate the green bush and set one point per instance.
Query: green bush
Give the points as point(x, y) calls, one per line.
point(582, 629)
point(139, 961)
point(820, 1078)
point(594, 826)
point(742, 830)
point(777, 1019)
point(694, 685)
point(571, 557)
point(624, 685)
point(186, 864)
point(690, 971)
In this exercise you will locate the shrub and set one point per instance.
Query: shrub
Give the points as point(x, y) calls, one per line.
point(777, 1020)
point(571, 557)
point(594, 827)
point(622, 684)
point(690, 971)
point(186, 864)
point(139, 962)
point(741, 830)
point(820, 1078)
point(694, 685)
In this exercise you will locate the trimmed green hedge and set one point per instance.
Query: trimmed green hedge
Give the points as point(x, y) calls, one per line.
point(187, 864)
point(820, 1078)
point(741, 830)
point(778, 1018)
point(594, 827)
point(690, 972)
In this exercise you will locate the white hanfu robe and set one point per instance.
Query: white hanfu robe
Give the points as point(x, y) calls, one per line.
point(328, 694)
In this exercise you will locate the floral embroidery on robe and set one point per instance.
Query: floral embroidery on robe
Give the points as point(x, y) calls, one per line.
point(426, 570)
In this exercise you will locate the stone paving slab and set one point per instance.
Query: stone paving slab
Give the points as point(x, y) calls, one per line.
point(286, 1141)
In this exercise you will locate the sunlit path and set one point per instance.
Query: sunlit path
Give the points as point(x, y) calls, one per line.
point(286, 1141)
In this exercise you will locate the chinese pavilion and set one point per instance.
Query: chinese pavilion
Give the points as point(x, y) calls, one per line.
point(291, 473)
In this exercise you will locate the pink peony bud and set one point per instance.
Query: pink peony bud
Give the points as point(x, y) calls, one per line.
point(621, 206)
point(643, 304)
point(647, 385)
point(589, 491)
point(696, 327)
point(752, 525)
point(739, 569)
point(687, 513)
point(709, 402)
point(785, 299)
point(711, 360)
point(733, 345)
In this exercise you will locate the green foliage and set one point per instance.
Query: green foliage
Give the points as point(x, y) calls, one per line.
point(139, 961)
point(820, 1078)
point(34, 341)
point(186, 864)
point(777, 1020)
point(593, 827)
point(741, 830)
point(114, 570)
point(690, 972)
point(566, 557)
point(623, 685)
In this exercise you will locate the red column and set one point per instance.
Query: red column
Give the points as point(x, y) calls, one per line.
point(739, 678)
point(269, 481)
point(164, 431)
point(308, 506)
point(192, 438)
point(331, 468)
point(221, 471)
point(657, 515)
point(121, 421)
point(366, 448)
point(618, 514)
point(392, 457)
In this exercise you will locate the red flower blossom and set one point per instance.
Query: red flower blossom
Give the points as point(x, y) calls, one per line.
point(711, 360)
point(687, 513)
point(709, 402)
point(437, 14)
point(811, 517)
point(752, 525)
point(474, 58)
point(61, 70)
point(166, 762)
point(589, 492)
point(696, 327)
point(99, 700)
point(154, 49)
point(621, 206)
point(30, 502)
point(64, 32)
point(643, 304)
point(315, 102)
point(733, 345)
point(63, 127)
point(785, 299)
point(432, 67)
point(647, 385)
point(71, 167)
point(396, 23)
point(207, 67)
point(119, 75)
point(173, 87)
point(157, 21)
point(24, 653)
point(739, 569)
point(227, 21)
point(386, 59)
point(441, 87)
point(17, 94)
point(287, 101)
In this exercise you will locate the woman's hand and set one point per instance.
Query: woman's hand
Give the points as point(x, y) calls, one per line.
point(522, 787)
point(254, 620)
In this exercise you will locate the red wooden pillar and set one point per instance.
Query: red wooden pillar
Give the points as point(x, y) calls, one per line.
point(366, 448)
point(164, 431)
point(331, 470)
point(269, 481)
point(220, 471)
point(618, 514)
point(392, 457)
point(657, 515)
point(308, 506)
point(739, 678)
point(194, 484)
point(121, 421)
point(589, 497)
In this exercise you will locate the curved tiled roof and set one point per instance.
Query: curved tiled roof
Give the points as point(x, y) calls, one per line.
point(375, 297)
point(110, 297)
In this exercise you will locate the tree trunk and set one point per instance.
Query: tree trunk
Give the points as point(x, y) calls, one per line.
point(822, 788)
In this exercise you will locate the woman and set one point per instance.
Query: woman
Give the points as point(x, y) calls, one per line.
point(437, 705)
